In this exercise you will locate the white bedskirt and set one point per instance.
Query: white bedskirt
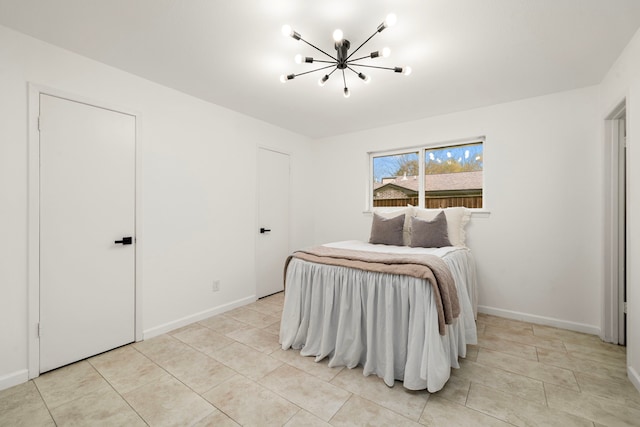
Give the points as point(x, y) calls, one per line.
point(386, 323)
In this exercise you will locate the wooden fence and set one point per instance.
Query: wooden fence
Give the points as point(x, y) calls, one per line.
point(433, 202)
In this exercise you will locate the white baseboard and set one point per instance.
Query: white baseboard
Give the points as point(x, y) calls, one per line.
point(540, 320)
point(14, 378)
point(633, 377)
point(179, 323)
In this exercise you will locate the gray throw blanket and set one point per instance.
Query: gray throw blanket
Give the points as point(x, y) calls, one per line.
point(428, 267)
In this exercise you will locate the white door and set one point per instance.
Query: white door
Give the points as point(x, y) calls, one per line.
point(273, 221)
point(87, 203)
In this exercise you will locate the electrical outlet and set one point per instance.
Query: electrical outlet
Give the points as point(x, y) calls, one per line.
point(215, 286)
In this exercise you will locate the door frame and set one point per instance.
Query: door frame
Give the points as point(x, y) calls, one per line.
point(257, 221)
point(33, 217)
point(613, 330)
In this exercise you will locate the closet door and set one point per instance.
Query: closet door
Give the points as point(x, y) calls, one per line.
point(87, 206)
point(273, 217)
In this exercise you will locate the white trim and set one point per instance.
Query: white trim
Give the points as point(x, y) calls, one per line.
point(475, 213)
point(421, 189)
point(139, 319)
point(275, 150)
point(617, 111)
point(33, 234)
point(610, 295)
point(540, 320)
point(14, 378)
point(633, 377)
point(431, 145)
point(187, 320)
point(368, 197)
point(480, 213)
point(33, 217)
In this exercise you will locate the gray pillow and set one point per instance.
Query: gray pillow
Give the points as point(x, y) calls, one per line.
point(430, 234)
point(387, 231)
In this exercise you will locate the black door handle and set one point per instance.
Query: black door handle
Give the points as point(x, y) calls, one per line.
point(264, 230)
point(125, 240)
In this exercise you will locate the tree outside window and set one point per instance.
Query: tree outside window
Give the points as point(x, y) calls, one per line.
point(452, 177)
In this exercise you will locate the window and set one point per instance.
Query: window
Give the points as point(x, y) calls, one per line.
point(431, 177)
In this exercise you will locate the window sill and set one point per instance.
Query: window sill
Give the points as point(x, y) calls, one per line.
point(480, 213)
point(475, 213)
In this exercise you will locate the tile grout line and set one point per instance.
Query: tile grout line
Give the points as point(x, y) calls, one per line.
point(546, 399)
point(116, 391)
point(266, 386)
point(217, 385)
point(44, 402)
point(292, 416)
point(177, 379)
point(479, 411)
point(341, 406)
point(510, 372)
point(389, 409)
point(466, 397)
point(200, 395)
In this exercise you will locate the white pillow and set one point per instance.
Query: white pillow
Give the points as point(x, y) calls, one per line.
point(457, 219)
point(394, 212)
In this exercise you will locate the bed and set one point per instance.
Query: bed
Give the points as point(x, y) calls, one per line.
point(390, 324)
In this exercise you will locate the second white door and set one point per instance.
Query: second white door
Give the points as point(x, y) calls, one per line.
point(87, 203)
point(273, 221)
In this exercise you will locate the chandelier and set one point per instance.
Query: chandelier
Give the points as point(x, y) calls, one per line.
point(343, 61)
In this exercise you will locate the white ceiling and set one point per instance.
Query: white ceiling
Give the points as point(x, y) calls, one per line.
point(464, 53)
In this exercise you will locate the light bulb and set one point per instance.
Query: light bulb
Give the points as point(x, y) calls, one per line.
point(386, 52)
point(323, 80)
point(287, 31)
point(286, 78)
point(337, 35)
point(298, 59)
point(346, 92)
point(364, 77)
point(390, 20)
point(406, 71)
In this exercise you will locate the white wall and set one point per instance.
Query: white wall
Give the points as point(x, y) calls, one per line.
point(623, 82)
point(539, 253)
point(198, 190)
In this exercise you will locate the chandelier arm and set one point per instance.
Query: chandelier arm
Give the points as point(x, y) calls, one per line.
point(374, 66)
point(318, 49)
point(317, 69)
point(358, 59)
point(363, 43)
point(326, 62)
point(344, 79)
point(354, 71)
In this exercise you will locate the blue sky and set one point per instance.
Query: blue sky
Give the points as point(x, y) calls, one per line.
point(386, 166)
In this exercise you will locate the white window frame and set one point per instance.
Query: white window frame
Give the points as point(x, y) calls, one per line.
point(421, 149)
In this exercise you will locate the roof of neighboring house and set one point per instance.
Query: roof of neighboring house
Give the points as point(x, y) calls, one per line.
point(440, 182)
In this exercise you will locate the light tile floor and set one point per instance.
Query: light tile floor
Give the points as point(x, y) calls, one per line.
point(229, 370)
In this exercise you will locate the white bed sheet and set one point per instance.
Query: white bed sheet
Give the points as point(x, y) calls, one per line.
point(386, 323)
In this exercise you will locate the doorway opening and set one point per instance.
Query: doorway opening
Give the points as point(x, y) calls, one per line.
point(615, 317)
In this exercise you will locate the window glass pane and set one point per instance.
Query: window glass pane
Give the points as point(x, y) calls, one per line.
point(395, 180)
point(453, 176)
